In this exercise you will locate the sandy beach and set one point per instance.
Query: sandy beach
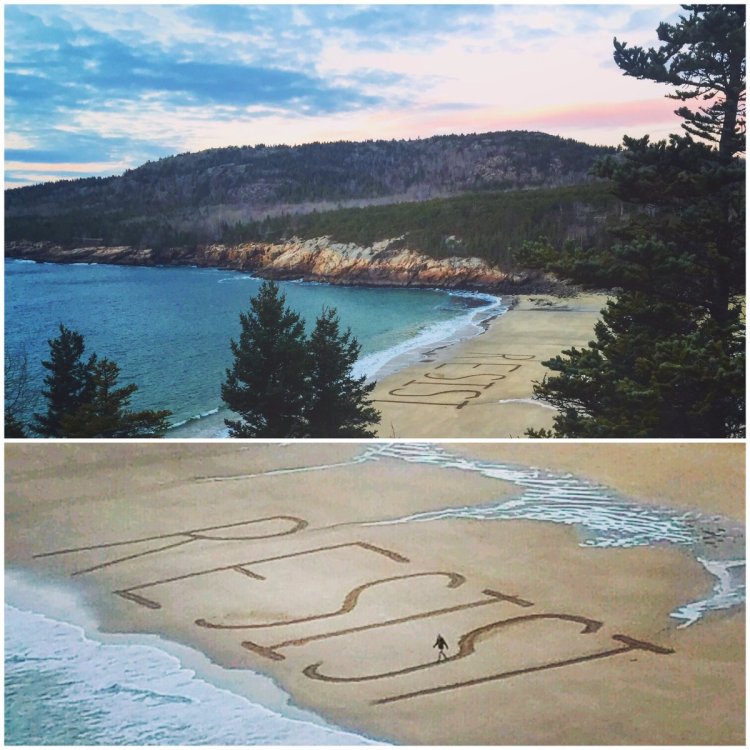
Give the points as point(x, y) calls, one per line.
point(263, 559)
point(482, 388)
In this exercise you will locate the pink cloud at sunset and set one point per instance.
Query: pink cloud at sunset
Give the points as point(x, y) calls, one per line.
point(594, 115)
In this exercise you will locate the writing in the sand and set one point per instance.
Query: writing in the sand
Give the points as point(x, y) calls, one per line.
point(458, 381)
point(390, 598)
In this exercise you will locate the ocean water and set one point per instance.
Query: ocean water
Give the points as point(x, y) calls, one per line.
point(169, 328)
point(65, 686)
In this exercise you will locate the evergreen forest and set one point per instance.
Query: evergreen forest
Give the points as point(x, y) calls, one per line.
point(488, 191)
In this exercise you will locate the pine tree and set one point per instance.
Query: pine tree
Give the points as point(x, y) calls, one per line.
point(17, 394)
point(266, 384)
point(668, 357)
point(14, 427)
point(283, 384)
point(338, 405)
point(82, 398)
point(105, 413)
point(68, 383)
point(703, 56)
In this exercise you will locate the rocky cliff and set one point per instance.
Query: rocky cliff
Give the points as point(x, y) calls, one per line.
point(385, 263)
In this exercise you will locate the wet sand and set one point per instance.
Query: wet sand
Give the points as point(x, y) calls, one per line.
point(481, 388)
point(280, 574)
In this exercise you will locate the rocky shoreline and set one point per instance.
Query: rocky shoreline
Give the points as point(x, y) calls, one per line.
point(385, 263)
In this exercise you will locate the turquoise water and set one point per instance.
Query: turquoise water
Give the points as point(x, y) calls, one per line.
point(65, 684)
point(169, 328)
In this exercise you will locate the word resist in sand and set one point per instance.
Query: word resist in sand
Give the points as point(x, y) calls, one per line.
point(459, 380)
point(268, 639)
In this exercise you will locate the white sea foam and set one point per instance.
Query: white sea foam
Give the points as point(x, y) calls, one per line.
point(65, 687)
point(196, 418)
point(276, 472)
point(531, 401)
point(728, 591)
point(382, 363)
point(237, 277)
point(376, 364)
point(605, 518)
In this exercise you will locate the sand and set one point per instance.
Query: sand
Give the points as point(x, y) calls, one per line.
point(682, 475)
point(482, 387)
point(296, 575)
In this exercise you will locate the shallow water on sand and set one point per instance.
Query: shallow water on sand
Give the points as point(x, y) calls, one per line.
point(603, 517)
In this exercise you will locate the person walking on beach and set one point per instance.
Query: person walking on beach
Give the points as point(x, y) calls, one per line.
point(440, 644)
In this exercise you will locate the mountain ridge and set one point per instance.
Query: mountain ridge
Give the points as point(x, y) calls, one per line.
point(196, 195)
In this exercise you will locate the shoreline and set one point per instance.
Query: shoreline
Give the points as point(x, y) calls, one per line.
point(316, 260)
point(55, 501)
point(470, 377)
point(483, 387)
point(464, 328)
point(65, 605)
point(422, 392)
point(479, 311)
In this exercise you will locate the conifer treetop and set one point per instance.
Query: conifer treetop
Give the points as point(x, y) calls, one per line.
point(703, 56)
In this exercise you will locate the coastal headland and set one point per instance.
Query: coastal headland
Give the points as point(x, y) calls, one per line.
point(319, 259)
point(286, 560)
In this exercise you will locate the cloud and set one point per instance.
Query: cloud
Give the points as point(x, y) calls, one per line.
point(398, 26)
point(24, 179)
point(67, 143)
point(120, 84)
point(91, 66)
point(18, 142)
point(596, 115)
point(31, 89)
point(22, 172)
point(67, 168)
point(222, 18)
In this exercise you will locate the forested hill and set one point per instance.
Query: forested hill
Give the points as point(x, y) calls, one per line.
point(195, 197)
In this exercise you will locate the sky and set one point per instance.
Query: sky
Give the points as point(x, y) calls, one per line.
point(98, 89)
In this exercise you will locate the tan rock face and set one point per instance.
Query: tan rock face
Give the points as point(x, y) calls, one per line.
point(318, 259)
point(323, 260)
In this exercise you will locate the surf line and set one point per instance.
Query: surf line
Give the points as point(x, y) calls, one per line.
point(361, 458)
point(715, 542)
